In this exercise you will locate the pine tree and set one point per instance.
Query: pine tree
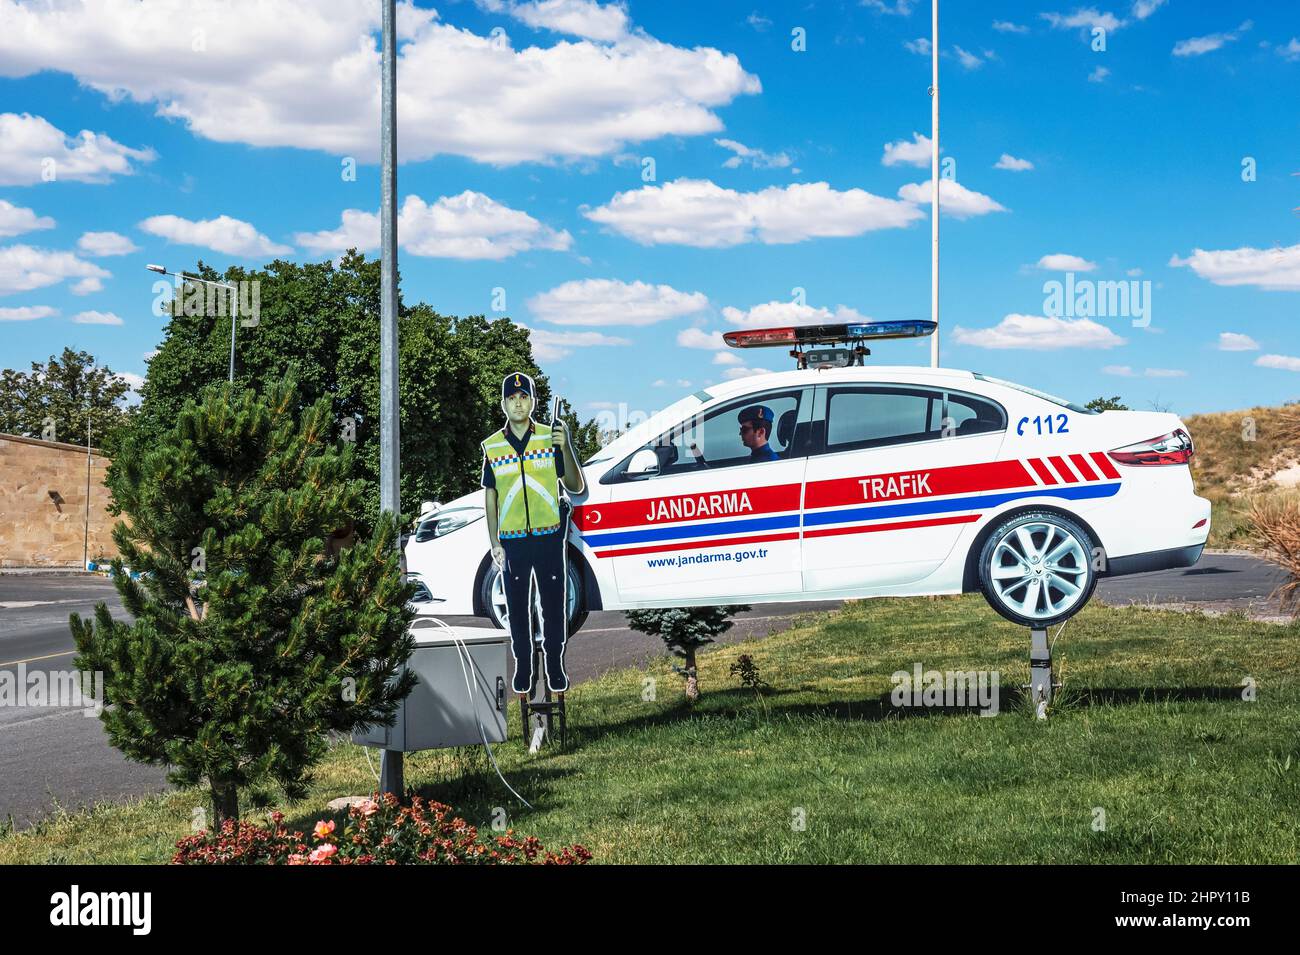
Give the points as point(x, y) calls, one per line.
point(684, 630)
point(252, 636)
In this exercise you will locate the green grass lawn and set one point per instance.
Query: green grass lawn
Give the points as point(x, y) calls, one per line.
point(1151, 729)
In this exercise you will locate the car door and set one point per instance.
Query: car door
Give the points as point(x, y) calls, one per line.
point(691, 516)
point(893, 480)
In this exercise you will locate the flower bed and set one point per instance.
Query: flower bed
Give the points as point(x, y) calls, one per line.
point(377, 832)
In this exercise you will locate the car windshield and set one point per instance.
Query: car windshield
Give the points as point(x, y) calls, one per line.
point(1073, 406)
point(652, 426)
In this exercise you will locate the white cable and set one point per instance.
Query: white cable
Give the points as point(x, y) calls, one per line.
point(463, 654)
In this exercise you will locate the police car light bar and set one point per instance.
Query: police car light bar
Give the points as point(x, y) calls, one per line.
point(827, 334)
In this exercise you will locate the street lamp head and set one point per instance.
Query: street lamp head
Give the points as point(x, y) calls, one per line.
point(157, 268)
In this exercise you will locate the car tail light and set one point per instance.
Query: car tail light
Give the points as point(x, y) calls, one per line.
point(1172, 448)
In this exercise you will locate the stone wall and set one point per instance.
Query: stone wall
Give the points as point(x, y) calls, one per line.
point(43, 504)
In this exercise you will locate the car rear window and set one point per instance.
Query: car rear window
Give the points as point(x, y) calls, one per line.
point(1076, 408)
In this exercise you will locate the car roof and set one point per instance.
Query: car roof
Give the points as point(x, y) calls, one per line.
point(909, 374)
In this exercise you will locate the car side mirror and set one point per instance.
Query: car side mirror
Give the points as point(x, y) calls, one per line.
point(644, 463)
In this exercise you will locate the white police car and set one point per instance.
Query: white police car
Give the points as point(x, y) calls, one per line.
point(886, 481)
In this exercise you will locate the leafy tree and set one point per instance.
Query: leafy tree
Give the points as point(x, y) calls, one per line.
point(684, 630)
point(320, 322)
point(1107, 404)
point(63, 392)
point(252, 638)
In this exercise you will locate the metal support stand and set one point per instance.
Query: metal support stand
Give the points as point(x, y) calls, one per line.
point(1042, 682)
point(538, 711)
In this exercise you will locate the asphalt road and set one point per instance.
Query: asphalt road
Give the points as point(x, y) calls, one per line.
point(51, 757)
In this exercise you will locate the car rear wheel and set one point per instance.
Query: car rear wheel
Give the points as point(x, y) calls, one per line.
point(493, 597)
point(1036, 568)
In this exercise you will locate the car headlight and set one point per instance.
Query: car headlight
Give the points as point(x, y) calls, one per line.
point(444, 522)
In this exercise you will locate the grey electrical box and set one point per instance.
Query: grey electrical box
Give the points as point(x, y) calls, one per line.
point(440, 713)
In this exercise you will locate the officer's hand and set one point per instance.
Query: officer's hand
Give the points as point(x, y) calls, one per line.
point(499, 556)
point(558, 436)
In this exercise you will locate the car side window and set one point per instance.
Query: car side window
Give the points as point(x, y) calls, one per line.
point(713, 439)
point(967, 414)
point(868, 417)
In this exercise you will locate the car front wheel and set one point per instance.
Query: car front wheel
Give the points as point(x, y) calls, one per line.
point(493, 597)
point(1036, 569)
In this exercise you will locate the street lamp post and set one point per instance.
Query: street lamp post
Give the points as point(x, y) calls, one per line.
point(390, 479)
point(234, 305)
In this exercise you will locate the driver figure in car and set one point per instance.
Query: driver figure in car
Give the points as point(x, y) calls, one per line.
point(756, 430)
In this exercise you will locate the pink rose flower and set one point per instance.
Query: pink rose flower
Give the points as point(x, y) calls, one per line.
point(324, 829)
point(322, 853)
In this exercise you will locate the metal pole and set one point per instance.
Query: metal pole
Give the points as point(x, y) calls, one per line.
point(234, 323)
point(934, 182)
point(85, 539)
point(391, 773)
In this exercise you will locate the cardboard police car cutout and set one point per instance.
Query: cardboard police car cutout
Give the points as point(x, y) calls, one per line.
point(877, 481)
point(524, 464)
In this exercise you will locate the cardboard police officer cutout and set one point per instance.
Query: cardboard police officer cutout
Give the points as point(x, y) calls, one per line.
point(525, 465)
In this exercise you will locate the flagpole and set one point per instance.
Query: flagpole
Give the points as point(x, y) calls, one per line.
point(934, 181)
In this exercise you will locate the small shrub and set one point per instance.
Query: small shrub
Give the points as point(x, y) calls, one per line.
point(377, 832)
point(1276, 522)
point(746, 671)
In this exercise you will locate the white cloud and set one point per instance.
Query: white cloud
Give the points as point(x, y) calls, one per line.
point(758, 21)
point(106, 243)
point(1276, 270)
point(1133, 273)
point(700, 213)
point(904, 153)
point(1039, 333)
point(612, 302)
point(900, 8)
point(954, 199)
point(774, 314)
point(90, 283)
point(967, 59)
point(1083, 18)
point(1061, 262)
point(222, 234)
point(1144, 8)
point(27, 313)
point(551, 346)
point(582, 18)
point(1010, 162)
point(699, 338)
point(1099, 75)
point(468, 226)
point(1235, 341)
point(23, 268)
point(135, 381)
point(31, 149)
point(15, 220)
point(1291, 51)
point(1199, 45)
point(96, 318)
point(920, 45)
point(727, 358)
point(680, 383)
point(305, 74)
point(1006, 26)
point(1126, 371)
point(1123, 371)
point(755, 157)
point(1284, 362)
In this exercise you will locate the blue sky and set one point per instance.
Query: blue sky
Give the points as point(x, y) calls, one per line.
point(220, 130)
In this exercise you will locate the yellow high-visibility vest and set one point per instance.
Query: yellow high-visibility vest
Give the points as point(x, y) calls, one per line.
point(527, 489)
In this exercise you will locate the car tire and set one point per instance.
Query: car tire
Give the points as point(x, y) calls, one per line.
point(1036, 568)
point(492, 598)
